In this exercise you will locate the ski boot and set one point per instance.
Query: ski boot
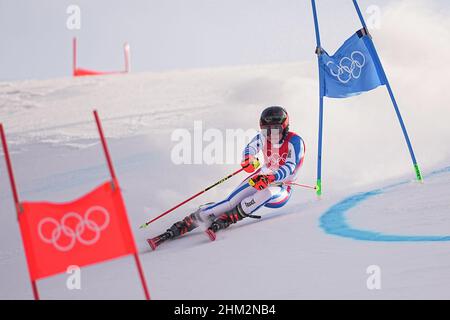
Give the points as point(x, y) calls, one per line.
point(179, 228)
point(226, 219)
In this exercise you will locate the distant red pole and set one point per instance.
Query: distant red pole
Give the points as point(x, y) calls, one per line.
point(74, 56)
point(126, 50)
point(15, 195)
point(113, 176)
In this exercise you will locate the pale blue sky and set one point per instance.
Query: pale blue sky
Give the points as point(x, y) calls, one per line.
point(166, 34)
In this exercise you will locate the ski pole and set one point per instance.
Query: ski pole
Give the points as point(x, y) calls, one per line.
point(301, 185)
point(194, 196)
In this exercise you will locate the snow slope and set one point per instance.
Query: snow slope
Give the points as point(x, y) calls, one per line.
point(289, 253)
point(372, 212)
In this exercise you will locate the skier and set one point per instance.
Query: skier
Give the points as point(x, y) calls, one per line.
point(268, 186)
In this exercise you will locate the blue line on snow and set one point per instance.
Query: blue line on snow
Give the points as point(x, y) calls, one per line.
point(334, 221)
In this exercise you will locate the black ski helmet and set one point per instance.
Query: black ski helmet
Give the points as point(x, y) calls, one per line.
point(275, 116)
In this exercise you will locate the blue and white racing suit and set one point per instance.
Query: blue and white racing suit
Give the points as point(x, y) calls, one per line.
point(283, 160)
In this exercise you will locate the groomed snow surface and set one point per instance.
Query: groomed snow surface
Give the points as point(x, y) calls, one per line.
point(308, 249)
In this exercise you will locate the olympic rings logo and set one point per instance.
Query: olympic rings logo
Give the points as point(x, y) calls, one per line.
point(73, 233)
point(275, 159)
point(348, 68)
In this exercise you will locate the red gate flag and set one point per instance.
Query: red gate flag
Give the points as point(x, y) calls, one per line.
point(90, 229)
point(78, 72)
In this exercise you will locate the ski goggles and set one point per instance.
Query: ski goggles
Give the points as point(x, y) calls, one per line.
point(268, 130)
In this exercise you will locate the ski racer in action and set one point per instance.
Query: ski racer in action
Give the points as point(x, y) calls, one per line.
point(268, 186)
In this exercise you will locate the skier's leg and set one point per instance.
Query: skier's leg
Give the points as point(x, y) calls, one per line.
point(273, 196)
point(236, 196)
point(242, 191)
point(206, 214)
point(188, 224)
point(280, 199)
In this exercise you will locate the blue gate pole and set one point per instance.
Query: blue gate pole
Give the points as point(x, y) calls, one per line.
point(394, 102)
point(319, 147)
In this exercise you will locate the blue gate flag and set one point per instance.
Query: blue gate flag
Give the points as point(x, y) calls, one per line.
point(353, 69)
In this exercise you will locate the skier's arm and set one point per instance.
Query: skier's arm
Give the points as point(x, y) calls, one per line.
point(254, 146)
point(250, 163)
point(296, 151)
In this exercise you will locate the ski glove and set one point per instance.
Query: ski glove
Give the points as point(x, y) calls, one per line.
point(250, 163)
point(261, 181)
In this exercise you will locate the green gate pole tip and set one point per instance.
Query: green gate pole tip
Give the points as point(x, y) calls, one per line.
point(319, 187)
point(418, 173)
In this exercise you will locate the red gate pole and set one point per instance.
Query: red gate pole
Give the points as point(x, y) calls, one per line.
point(16, 196)
point(105, 146)
point(126, 50)
point(141, 276)
point(113, 176)
point(74, 56)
